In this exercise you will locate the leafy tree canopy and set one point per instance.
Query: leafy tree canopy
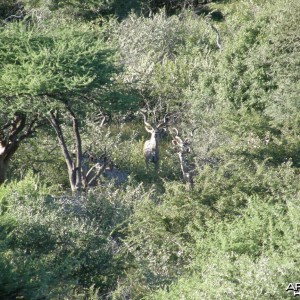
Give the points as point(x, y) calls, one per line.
point(59, 61)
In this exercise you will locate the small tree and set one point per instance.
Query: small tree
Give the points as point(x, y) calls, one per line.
point(46, 68)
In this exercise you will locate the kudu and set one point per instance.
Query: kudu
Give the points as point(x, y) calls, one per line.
point(94, 168)
point(151, 151)
point(183, 150)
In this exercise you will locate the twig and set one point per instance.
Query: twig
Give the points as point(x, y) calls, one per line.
point(218, 38)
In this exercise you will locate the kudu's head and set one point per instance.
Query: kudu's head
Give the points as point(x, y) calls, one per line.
point(183, 149)
point(155, 130)
point(181, 146)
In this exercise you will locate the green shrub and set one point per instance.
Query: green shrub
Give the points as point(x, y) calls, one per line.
point(60, 246)
point(235, 202)
point(251, 258)
point(163, 56)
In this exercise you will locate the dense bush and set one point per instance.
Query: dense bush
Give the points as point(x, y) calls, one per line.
point(163, 56)
point(251, 258)
point(169, 233)
point(60, 246)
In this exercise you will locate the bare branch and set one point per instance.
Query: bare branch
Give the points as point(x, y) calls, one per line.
point(103, 120)
point(29, 130)
point(182, 148)
point(55, 124)
point(78, 148)
point(218, 38)
point(17, 124)
point(193, 130)
point(100, 170)
point(13, 17)
point(176, 130)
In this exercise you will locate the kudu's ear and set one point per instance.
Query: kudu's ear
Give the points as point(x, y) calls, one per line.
point(179, 140)
point(174, 142)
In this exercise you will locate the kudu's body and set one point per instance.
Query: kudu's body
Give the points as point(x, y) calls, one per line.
point(183, 150)
point(151, 150)
point(94, 168)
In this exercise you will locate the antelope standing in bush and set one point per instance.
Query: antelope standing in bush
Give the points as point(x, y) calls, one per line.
point(94, 167)
point(151, 152)
point(183, 149)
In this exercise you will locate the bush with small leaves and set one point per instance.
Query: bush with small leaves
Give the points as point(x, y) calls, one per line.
point(56, 246)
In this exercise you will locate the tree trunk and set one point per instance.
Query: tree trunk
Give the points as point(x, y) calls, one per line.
point(78, 169)
point(5, 155)
point(70, 165)
point(11, 135)
point(74, 168)
point(3, 169)
point(80, 176)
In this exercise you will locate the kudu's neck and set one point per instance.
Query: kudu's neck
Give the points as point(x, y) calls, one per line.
point(154, 138)
point(183, 162)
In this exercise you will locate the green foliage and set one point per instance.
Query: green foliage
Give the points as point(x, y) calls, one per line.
point(37, 63)
point(253, 67)
point(7, 8)
point(235, 202)
point(257, 250)
point(87, 10)
point(163, 56)
point(53, 246)
point(45, 159)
